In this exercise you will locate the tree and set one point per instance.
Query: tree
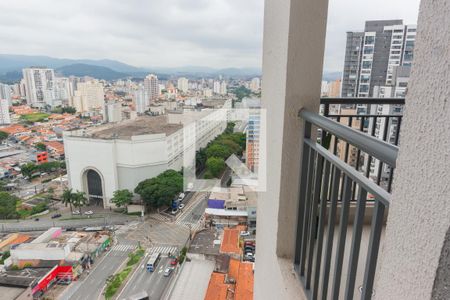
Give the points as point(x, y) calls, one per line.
point(218, 150)
point(41, 147)
point(28, 169)
point(79, 200)
point(160, 190)
point(8, 205)
point(215, 165)
point(69, 110)
point(3, 135)
point(67, 197)
point(122, 197)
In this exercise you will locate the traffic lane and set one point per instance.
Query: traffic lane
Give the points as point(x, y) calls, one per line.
point(91, 286)
point(154, 283)
point(158, 283)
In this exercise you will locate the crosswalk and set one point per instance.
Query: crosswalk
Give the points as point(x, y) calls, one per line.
point(160, 217)
point(123, 248)
point(164, 250)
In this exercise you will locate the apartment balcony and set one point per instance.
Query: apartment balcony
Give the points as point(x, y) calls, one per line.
point(343, 209)
point(356, 201)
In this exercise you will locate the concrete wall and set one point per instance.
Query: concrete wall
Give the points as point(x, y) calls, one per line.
point(294, 39)
point(419, 215)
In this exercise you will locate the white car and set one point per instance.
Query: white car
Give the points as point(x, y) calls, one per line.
point(181, 206)
point(76, 212)
point(174, 211)
point(245, 233)
point(89, 212)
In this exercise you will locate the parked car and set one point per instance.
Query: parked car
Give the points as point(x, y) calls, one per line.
point(36, 219)
point(76, 212)
point(56, 216)
point(245, 233)
point(174, 211)
point(89, 212)
point(181, 206)
point(168, 271)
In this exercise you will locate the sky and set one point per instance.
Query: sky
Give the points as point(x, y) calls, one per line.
point(171, 33)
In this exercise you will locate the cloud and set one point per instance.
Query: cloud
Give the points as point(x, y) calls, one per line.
point(170, 33)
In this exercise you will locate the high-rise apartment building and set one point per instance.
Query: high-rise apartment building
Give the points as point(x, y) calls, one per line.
point(141, 100)
point(183, 84)
point(112, 112)
point(88, 96)
point(5, 92)
point(255, 84)
point(223, 88)
point(39, 85)
point(151, 87)
point(4, 112)
point(371, 56)
point(216, 87)
point(63, 89)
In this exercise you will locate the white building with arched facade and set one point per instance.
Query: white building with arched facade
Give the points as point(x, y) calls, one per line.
point(106, 158)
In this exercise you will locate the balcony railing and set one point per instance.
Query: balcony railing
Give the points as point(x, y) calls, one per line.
point(378, 117)
point(327, 184)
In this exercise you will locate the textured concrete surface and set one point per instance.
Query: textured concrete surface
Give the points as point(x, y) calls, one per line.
point(420, 211)
point(441, 288)
point(294, 39)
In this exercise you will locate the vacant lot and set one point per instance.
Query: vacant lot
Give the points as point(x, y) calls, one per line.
point(34, 117)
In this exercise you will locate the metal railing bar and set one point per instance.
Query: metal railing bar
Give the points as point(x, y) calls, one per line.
point(361, 115)
point(343, 223)
point(373, 146)
point(356, 100)
point(330, 234)
point(306, 215)
point(362, 181)
point(347, 146)
point(322, 216)
point(356, 243)
point(312, 229)
point(302, 195)
point(372, 254)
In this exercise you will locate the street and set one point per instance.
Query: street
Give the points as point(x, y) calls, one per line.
point(153, 283)
point(91, 286)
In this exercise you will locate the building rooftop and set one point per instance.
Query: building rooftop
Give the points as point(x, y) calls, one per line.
point(230, 241)
point(140, 126)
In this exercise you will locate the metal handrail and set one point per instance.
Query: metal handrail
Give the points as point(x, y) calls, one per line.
point(381, 150)
point(356, 100)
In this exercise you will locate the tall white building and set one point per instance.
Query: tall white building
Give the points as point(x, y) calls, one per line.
point(63, 89)
point(183, 84)
point(223, 88)
point(141, 100)
point(39, 85)
point(88, 96)
point(5, 92)
point(216, 87)
point(151, 87)
point(112, 112)
point(4, 112)
point(255, 84)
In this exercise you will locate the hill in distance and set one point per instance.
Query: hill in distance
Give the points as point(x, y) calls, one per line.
point(99, 72)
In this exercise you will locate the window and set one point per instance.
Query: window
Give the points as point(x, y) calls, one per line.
point(364, 88)
point(369, 40)
point(368, 50)
point(367, 64)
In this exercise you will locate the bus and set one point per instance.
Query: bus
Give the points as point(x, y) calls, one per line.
point(153, 261)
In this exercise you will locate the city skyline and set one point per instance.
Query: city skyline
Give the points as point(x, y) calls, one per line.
point(179, 37)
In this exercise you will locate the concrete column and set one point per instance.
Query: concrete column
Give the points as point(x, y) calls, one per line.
point(419, 215)
point(294, 40)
